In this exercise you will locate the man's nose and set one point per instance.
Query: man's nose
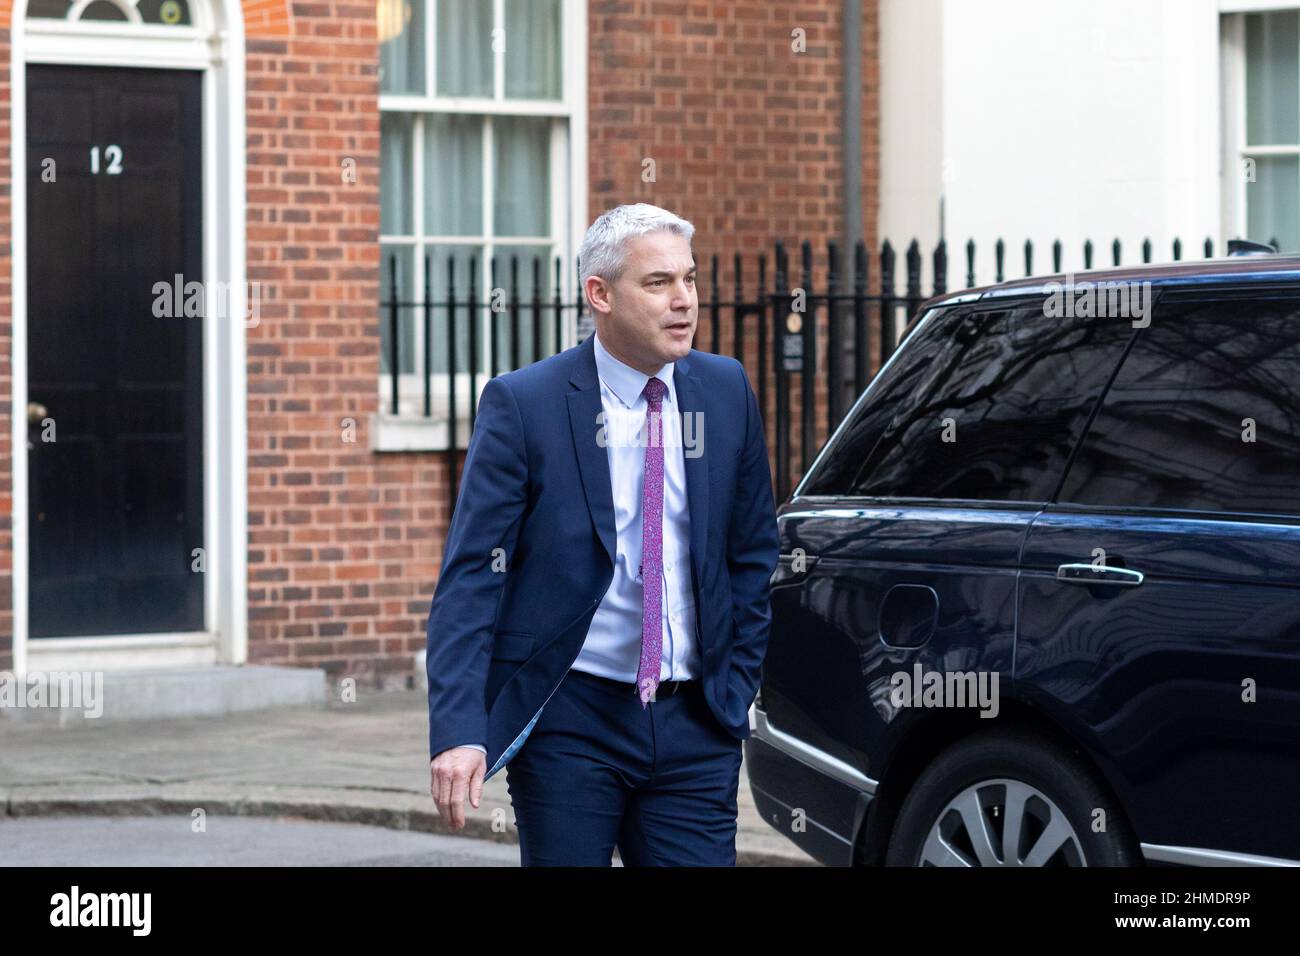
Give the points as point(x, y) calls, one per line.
point(682, 298)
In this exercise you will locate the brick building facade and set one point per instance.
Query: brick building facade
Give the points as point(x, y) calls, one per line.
point(343, 536)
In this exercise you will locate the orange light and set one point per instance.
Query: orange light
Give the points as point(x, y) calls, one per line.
point(391, 18)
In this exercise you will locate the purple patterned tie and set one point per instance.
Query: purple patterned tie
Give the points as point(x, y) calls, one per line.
point(652, 546)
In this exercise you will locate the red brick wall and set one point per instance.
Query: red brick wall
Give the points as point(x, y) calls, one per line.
point(346, 545)
point(744, 132)
point(342, 542)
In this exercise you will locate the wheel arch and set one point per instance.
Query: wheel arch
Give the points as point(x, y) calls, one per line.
point(937, 730)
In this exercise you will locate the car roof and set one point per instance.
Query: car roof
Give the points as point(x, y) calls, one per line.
point(1228, 269)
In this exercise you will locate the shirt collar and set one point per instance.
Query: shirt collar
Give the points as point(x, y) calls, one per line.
point(623, 380)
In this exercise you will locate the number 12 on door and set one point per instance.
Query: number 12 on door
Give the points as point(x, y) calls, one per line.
point(113, 154)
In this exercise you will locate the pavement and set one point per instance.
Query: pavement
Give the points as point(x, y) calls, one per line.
point(364, 762)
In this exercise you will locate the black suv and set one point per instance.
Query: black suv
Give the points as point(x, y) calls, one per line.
point(1039, 596)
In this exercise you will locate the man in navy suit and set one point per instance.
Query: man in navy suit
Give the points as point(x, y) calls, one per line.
point(602, 612)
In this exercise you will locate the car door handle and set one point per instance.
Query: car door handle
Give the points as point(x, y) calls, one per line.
point(1091, 574)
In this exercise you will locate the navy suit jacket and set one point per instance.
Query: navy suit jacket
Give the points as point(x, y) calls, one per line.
point(530, 550)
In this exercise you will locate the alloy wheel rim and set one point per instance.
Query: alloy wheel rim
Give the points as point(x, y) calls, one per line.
point(1001, 822)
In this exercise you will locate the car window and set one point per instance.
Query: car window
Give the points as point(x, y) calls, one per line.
point(837, 470)
point(1005, 404)
point(1203, 415)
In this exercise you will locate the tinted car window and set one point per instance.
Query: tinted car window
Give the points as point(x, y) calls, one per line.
point(1004, 405)
point(897, 383)
point(1204, 414)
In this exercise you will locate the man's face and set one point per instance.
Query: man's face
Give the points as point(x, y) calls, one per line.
point(647, 318)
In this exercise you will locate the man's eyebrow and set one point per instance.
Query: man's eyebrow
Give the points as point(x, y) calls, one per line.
point(665, 272)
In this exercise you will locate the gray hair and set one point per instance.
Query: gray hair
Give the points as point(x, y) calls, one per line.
point(603, 251)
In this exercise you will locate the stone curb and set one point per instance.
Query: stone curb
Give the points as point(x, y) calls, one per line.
point(395, 813)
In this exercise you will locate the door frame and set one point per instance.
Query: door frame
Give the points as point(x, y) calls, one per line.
point(214, 45)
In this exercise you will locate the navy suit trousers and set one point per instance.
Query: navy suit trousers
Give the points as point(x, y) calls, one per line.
point(598, 771)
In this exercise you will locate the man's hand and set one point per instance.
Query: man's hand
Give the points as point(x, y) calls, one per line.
point(453, 774)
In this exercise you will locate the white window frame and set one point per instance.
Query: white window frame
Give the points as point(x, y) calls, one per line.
point(409, 430)
point(1232, 57)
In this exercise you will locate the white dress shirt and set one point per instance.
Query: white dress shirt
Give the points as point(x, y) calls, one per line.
point(613, 644)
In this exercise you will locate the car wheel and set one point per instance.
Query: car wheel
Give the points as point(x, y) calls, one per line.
point(1010, 799)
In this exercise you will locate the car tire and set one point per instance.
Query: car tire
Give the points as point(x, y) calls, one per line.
point(957, 812)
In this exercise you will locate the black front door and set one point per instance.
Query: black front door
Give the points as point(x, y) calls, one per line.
point(115, 369)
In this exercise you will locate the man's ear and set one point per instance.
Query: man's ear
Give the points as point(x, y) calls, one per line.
point(597, 293)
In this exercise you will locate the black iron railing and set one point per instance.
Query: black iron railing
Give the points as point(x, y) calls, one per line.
point(774, 327)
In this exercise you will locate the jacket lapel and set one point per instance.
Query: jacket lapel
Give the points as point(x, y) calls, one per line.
point(593, 460)
point(690, 399)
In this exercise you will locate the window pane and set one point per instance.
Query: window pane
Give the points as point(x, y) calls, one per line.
point(532, 49)
point(395, 187)
point(405, 256)
point(1273, 202)
point(453, 175)
point(1273, 78)
point(400, 25)
point(464, 41)
point(522, 177)
point(103, 10)
point(1175, 432)
point(440, 282)
point(518, 326)
point(56, 9)
point(1009, 398)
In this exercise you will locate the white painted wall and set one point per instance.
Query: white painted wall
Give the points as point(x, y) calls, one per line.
point(1071, 119)
point(911, 132)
